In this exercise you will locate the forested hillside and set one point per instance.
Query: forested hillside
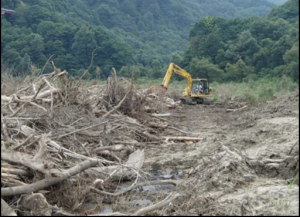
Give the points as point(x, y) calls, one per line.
point(133, 35)
point(278, 2)
point(246, 48)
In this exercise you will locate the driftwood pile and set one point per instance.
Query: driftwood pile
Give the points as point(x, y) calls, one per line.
point(63, 144)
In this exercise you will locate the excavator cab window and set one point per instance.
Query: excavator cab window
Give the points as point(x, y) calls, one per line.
point(207, 89)
point(196, 87)
point(201, 86)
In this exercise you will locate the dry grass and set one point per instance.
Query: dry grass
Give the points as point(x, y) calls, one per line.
point(9, 84)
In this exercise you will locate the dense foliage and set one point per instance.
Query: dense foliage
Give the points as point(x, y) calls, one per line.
point(246, 48)
point(140, 38)
point(278, 2)
point(125, 33)
point(62, 29)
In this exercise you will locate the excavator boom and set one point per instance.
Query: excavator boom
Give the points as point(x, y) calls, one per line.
point(174, 68)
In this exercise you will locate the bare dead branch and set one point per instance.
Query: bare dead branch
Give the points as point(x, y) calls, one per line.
point(37, 92)
point(42, 70)
point(10, 191)
point(43, 148)
point(85, 128)
point(3, 128)
point(62, 75)
point(15, 171)
point(238, 109)
point(138, 185)
point(165, 202)
point(23, 159)
point(6, 210)
point(119, 104)
point(112, 148)
point(39, 96)
point(184, 138)
point(110, 214)
point(24, 142)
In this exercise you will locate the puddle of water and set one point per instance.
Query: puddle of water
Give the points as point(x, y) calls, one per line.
point(148, 188)
point(143, 203)
point(106, 209)
point(156, 188)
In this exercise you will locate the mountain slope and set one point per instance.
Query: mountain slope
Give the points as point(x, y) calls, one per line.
point(277, 2)
point(246, 48)
point(124, 32)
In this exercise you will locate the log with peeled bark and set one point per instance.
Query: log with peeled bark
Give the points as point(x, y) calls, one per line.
point(44, 183)
point(28, 98)
point(6, 210)
point(182, 138)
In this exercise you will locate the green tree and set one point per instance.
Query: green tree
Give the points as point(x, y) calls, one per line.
point(156, 71)
point(278, 49)
point(130, 72)
point(47, 29)
point(288, 11)
point(25, 64)
point(205, 69)
point(12, 57)
point(105, 13)
point(246, 45)
point(122, 54)
point(83, 46)
point(238, 71)
point(291, 58)
point(35, 48)
point(221, 58)
point(176, 58)
point(36, 14)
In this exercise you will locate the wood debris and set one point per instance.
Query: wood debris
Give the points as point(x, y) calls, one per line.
point(54, 130)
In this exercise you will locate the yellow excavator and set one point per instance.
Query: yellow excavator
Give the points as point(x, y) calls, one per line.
point(196, 90)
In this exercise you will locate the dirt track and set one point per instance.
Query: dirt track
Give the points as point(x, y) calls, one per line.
point(244, 163)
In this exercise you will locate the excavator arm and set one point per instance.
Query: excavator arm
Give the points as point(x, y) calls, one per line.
point(174, 68)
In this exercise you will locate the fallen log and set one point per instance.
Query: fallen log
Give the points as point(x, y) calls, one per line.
point(143, 211)
point(181, 138)
point(138, 185)
point(29, 98)
point(161, 115)
point(124, 171)
point(113, 148)
point(237, 109)
point(6, 210)
point(15, 171)
point(23, 159)
point(44, 183)
point(157, 125)
point(172, 196)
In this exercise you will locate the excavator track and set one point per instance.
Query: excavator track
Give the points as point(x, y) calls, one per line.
point(187, 101)
point(194, 101)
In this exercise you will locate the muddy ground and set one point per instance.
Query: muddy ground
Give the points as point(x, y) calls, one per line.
point(225, 157)
point(246, 163)
point(243, 165)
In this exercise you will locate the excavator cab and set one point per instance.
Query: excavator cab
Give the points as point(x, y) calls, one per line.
point(200, 87)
